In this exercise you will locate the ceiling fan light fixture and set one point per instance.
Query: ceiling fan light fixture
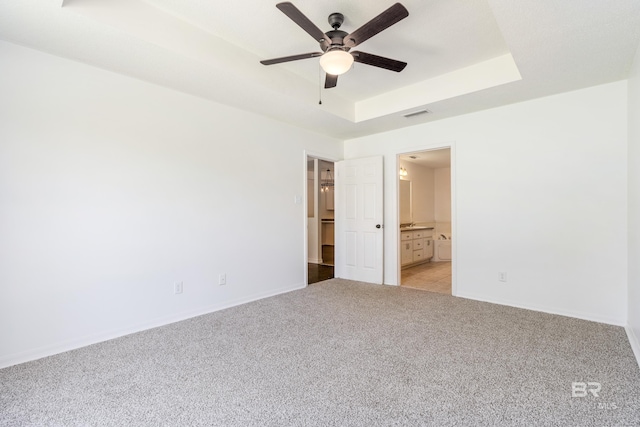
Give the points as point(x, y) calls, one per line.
point(336, 62)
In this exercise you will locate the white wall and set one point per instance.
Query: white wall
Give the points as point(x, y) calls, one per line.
point(442, 188)
point(442, 191)
point(112, 189)
point(540, 192)
point(634, 206)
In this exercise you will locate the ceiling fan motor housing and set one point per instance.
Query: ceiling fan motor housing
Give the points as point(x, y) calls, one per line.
point(337, 39)
point(335, 36)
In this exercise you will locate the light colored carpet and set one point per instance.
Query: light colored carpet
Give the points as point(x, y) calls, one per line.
point(338, 353)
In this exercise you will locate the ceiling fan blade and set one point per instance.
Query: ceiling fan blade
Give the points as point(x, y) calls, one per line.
point(378, 61)
point(330, 81)
point(394, 14)
point(290, 58)
point(303, 22)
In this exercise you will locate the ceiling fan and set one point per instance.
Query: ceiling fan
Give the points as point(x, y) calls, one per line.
point(336, 44)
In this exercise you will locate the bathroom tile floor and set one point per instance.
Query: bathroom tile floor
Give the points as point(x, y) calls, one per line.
point(430, 276)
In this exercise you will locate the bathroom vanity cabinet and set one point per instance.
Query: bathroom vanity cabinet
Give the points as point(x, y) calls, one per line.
point(416, 246)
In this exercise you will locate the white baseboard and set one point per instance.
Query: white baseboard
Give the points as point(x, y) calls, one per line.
point(315, 260)
point(569, 313)
point(635, 343)
point(50, 350)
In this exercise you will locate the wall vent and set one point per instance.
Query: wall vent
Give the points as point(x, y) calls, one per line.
point(417, 113)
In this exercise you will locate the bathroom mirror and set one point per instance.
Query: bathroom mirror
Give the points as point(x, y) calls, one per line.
point(405, 201)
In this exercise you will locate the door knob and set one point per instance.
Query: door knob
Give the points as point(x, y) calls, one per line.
point(378, 226)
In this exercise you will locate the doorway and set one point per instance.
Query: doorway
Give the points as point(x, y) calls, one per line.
point(320, 219)
point(425, 237)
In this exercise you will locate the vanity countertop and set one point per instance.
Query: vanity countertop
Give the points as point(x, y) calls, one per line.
point(418, 227)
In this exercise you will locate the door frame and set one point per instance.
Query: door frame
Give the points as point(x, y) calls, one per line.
point(305, 155)
point(454, 220)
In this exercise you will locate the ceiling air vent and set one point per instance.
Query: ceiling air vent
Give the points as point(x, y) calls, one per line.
point(417, 113)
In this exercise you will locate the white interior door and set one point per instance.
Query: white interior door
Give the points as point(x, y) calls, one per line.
point(358, 220)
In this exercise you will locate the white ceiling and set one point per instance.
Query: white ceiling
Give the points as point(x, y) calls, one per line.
point(462, 55)
point(432, 159)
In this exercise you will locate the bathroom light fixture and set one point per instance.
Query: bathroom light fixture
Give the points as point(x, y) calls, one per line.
point(403, 172)
point(326, 182)
point(336, 61)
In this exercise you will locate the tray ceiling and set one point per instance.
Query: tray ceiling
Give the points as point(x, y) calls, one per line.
point(462, 55)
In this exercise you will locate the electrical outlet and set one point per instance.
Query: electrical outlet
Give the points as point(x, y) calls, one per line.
point(502, 276)
point(222, 279)
point(177, 288)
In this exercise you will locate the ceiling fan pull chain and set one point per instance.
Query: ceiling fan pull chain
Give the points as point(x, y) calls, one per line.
point(319, 85)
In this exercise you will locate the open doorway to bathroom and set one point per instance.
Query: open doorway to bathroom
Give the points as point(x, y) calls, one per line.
point(320, 220)
point(425, 220)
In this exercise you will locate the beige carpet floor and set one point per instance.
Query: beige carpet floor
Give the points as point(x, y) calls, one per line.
point(339, 353)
